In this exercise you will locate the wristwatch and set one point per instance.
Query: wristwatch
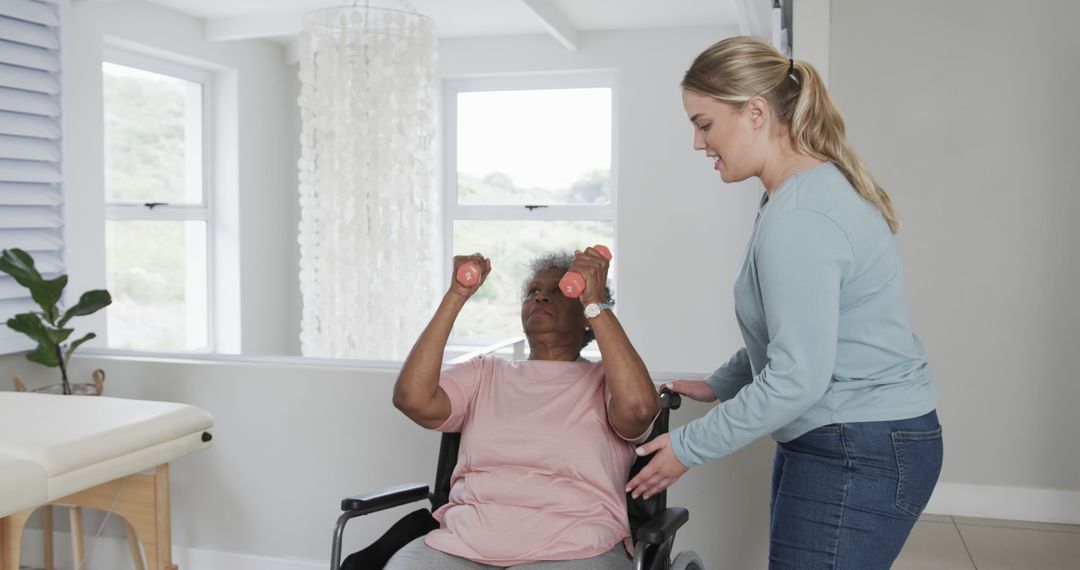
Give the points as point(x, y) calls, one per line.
point(593, 309)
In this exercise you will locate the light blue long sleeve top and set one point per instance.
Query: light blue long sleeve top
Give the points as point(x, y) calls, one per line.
point(821, 305)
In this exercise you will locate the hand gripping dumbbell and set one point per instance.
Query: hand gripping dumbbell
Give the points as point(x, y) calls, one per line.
point(572, 284)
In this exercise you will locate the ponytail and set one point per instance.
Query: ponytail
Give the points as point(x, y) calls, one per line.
point(818, 131)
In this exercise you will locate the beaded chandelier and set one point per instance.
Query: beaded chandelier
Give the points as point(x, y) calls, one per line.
point(368, 200)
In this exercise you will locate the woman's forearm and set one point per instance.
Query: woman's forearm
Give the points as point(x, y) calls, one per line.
point(634, 401)
point(416, 392)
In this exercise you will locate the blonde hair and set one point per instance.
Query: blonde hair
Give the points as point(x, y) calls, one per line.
point(737, 69)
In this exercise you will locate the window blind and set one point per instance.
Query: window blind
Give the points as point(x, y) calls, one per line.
point(31, 217)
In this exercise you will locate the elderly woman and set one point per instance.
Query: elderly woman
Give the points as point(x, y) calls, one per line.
point(547, 443)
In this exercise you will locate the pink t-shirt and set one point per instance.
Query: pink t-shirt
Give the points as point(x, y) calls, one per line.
point(541, 473)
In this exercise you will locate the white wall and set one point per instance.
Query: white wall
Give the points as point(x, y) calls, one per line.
point(966, 113)
point(260, 135)
point(972, 135)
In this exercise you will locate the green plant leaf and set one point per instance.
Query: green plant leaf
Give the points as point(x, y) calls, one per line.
point(46, 294)
point(31, 325)
point(90, 302)
point(58, 336)
point(42, 356)
point(18, 264)
point(75, 344)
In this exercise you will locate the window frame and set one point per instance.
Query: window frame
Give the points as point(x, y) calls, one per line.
point(453, 211)
point(204, 212)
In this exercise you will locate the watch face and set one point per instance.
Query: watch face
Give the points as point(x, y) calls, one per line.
point(591, 310)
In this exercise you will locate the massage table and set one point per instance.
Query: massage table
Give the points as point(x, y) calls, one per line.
point(95, 452)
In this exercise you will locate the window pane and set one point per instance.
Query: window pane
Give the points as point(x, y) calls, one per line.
point(157, 277)
point(494, 312)
point(153, 137)
point(550, 146)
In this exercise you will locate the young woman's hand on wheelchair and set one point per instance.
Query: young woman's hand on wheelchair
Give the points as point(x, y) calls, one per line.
point(694, 389)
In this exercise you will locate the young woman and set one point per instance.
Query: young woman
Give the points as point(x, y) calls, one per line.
point(831, 367)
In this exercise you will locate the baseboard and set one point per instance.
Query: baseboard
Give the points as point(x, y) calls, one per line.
point(1011, 503)
point(980, 501)
point(107, 552)
point(197, 559)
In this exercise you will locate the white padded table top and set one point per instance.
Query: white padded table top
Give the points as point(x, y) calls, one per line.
point(82, 441)
point(22, 485)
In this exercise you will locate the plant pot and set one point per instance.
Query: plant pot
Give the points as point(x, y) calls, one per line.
point(77, 388)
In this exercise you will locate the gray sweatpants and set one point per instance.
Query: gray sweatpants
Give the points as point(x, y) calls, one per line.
point(417, 555)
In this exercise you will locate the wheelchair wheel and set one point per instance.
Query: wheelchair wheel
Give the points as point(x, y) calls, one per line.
point(687, 560)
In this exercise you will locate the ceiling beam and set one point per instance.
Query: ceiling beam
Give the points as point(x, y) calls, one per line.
point(554, 22)
point(253, 27)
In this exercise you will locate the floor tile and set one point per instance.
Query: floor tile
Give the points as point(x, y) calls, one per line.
point(1001, 548)
point(1018, 524)
point(934, 546)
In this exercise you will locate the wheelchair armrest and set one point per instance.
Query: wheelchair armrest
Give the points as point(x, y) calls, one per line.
point(662, 527)
point(375, 501)
point(386, 498)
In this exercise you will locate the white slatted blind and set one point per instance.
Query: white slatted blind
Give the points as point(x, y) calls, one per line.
point(30, 161)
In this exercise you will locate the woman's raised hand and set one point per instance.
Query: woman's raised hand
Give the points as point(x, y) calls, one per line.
point(469, 274)
point(694, 389)
point(593, 266)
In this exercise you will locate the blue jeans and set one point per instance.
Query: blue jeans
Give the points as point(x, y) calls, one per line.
point(845, 496)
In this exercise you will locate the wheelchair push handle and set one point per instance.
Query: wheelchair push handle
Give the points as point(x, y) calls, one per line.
point(670, 400)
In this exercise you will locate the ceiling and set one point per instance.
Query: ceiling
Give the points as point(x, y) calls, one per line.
point(563, 19)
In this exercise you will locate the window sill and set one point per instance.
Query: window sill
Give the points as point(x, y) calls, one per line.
point(303, 361)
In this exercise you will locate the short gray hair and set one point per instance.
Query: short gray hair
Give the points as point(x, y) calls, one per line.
point(561, 259)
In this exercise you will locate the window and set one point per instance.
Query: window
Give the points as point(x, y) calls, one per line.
point(158, 204)
point(528, 168)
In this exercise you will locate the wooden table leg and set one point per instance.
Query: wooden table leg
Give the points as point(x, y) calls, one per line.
point(78, 551)
point(11, 531)
point(163, 515)
point(47, 535)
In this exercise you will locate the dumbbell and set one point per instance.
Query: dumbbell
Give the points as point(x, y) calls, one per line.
point(468, 273)
point(572, 284)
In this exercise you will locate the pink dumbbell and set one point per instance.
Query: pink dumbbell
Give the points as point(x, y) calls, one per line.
point(468, 273)
point(572, 284)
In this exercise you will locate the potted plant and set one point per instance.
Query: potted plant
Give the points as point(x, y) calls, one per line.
point(48, 326)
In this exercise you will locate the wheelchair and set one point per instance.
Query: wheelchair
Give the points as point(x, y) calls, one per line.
point(652, 523)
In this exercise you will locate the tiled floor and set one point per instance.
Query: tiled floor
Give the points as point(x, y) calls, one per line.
point(959, 543)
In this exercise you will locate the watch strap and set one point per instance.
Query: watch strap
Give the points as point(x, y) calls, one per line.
point(599, 308)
